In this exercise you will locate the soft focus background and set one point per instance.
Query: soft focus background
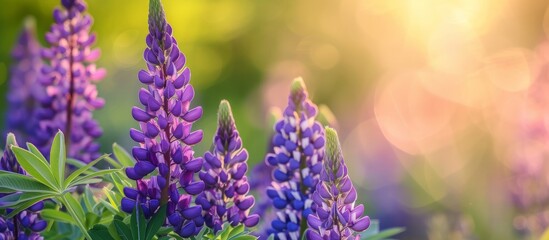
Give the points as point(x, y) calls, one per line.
point(442, 106)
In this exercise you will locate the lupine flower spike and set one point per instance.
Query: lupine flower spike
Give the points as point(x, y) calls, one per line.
point(68, 78)
point(336, 215)
point(26, 224)
point(226, 198)
point(165, 138)
point(297, 161)
point(23, 89)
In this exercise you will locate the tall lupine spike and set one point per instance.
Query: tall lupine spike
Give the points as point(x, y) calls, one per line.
point(297, 160)
point(165, 138)
point(26, 224)
point(69, 78)
point(23, 89)
point(226, 197)
point(336, 215)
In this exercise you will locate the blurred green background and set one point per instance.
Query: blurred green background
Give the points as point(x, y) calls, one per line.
point(427, 93)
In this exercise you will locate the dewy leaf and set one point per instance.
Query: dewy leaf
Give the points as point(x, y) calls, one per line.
point(81, 170)
point(58, 157)
point(21, 183)
point(56, 215)
point(156, 222)
point(35, 167)
point(122, 156)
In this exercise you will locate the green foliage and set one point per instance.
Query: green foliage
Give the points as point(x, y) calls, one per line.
point(47, 181)
point(138, 227)
point(373, 232)
point(227, 233)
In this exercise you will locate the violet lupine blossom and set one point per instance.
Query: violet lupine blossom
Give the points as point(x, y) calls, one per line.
point(297, 161)
point(225, 198)
point(165, 138)
point(27, 224)
point(336, 216)
point(68, 78)
point(23, 89)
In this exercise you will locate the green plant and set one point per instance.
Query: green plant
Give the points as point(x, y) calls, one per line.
point(46, 180)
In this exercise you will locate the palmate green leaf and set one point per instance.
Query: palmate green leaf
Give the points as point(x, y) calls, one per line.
point(14, 182)
point(82, 179)
point(236, 231)
point(34, 150)
point(58, 158)
point(122, 155)
point(77, 164)
point(24, 205)
point(14, 199)
point(35, 167)
point(155, 223)
point(81, 170)
point(56, 215)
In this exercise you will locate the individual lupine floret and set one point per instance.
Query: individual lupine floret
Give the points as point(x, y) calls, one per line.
point(23, 89)
point(165, 138)
point(336, 215)
point(297, 160)
point(226, 198)
point(68, 78)
point(27, 224)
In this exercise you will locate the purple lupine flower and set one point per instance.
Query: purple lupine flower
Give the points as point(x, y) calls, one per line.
point(297, 158)
point(68, 79)
point(27, 224)
point(226, 198)
point(336, 216)
point(165, 138)
point(23, 87)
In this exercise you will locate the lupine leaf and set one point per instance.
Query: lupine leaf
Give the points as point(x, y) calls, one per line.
point(75, 206)
point(21, 183)
point(34, 150)
point(80, 180)
point(123, 230)
point(35, 167)
point(236, 230)
point(58, 158)
point(17, 198)
point(122, 155)
point(25, 205)
point(56, 215)
point(156, 222)
point(384, 234)
point(100, 232)
point(81, 170)
point(138, 223)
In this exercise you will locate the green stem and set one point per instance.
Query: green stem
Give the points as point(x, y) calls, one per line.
point(75, 216)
